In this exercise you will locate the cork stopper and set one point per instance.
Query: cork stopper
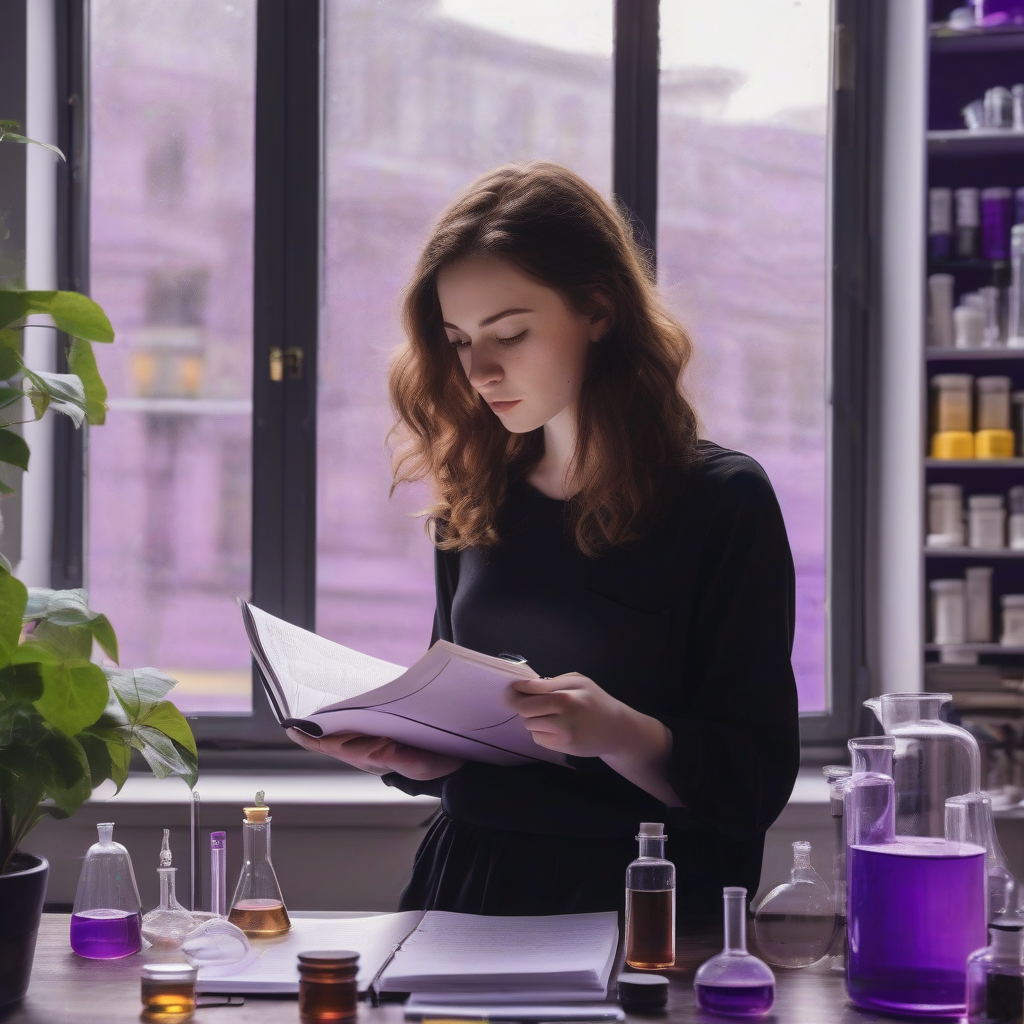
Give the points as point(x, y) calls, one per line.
point(257, 815)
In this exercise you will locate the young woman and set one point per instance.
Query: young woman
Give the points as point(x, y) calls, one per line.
point(580, 523)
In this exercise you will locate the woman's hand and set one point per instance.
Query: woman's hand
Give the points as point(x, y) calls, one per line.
point(379, 755)
point(570, 713)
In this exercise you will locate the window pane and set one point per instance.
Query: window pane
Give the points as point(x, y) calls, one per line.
point(742, 257)
point(422, 97)
point(172, 103)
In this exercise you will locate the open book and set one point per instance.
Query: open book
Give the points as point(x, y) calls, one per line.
point(442, 957)
point(452, 701)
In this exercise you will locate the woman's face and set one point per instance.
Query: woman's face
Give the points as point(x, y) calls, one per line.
point(523, 347)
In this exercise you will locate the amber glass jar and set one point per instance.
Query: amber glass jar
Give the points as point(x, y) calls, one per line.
point(327, 985)
point(168, 992)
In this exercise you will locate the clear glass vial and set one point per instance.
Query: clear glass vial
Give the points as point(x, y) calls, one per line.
point(735, 983)
point(107, 916)
point(795, 921)
point(651, 902)
point(258, 906)
point(167, 925)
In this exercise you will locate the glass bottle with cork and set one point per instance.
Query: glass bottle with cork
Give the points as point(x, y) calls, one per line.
point(651, 902)
point(258, 907)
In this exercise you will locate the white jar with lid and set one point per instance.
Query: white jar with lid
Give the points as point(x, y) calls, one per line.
point(949, 617)
point(953, 401)
point(986, 521)
point(993, 403)
point(1013, 620)
point(945, 516)
point(978, 595)
point(1017, 517)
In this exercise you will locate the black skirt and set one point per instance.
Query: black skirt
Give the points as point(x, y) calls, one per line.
point(474, 870)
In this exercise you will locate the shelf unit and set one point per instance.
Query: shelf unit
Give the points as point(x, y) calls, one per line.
point(961, 67)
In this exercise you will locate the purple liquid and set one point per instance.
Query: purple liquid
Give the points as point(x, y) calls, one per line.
point(915, 910)
point(735, 1000)
point(106, 934)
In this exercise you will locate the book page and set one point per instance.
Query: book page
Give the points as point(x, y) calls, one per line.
point(311, 668)
point(464, 953)
point(272, 965)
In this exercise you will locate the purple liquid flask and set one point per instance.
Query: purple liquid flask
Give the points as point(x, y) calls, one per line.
point(915, 904)
point(735, 983)
point(106, 922)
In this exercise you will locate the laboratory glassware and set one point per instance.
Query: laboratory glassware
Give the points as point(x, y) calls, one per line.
point(734, 983)
point(258, 906)
point(933, 760)
point(1016, 522)
point(168, 992)
point(953, 401)
point(838, 775)
point(1013, 620)
point(949, 611)
point(167, 925)
point(967, 222)
point(915, 909)
point(940, 223)
point(107, 916)
point(986, 522)
point(993, 403)
point(997, 201)
point(327, 986)
point(219, 874)
point(978, 591)
point(995, 974)
point(1015, 327)
point(969, 820)
point(214, 942)
point(945, 516)
point(940, 311)
point(796, 920)
point(651, 902)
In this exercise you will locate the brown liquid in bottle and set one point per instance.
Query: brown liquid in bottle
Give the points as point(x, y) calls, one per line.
point(260, 919)
point(649, 928)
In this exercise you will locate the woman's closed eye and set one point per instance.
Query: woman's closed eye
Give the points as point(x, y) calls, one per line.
point(512, 340)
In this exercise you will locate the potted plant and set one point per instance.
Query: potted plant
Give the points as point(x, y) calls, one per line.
point(66, 724)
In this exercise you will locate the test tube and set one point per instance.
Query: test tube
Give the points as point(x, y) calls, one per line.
point(196, 871)
point(219, 873)
point(1016, 320)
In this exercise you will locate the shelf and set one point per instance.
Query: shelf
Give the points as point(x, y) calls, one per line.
point(979, 40)
point(984, 142)
point(974, 648)
point(960, 354)
point(974, 463)
point(972, 553)
point(945, 266)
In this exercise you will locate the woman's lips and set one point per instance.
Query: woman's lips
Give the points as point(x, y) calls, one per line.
point(504, 406)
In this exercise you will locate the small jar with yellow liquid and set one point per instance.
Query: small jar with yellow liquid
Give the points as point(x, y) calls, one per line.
point(168, 992)
point(258, 907)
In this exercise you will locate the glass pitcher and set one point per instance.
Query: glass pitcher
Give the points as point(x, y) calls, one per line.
point(933, 760)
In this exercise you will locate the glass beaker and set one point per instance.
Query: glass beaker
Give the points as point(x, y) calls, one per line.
point(933, 760)
point(106, 920)
point(258, 907)
point(795, 921)
point(167, 925)
point(915, 909)
point(735, 983)
point(651, 902)
point(838, 775)
point(969, 820)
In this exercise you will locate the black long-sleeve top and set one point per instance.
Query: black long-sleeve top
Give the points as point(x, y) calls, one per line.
point(693, 625)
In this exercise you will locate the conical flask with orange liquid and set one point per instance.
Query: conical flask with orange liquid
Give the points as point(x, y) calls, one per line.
point(258, 907)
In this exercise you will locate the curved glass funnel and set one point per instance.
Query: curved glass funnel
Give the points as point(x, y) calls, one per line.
point(933, 760)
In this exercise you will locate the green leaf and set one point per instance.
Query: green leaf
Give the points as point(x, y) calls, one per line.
point(13, 449)
point(98, 755)
point(21, 683)
point(11, 137)
point(139, 687)
point(13, 596)
point(10, 363)
point(13, 307)
point(119, 751)
point(73, 313)
point(171, 722)
point(63, 391)
point(164, 756)
point(74, 696)
point(69, 643)
point(82, 362)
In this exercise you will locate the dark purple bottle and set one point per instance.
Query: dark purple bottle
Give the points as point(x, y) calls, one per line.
point(996, 221)
point(106, 934)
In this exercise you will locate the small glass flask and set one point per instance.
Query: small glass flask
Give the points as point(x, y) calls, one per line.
point(327, 986)
point(106, 920)
point(258, 907)
point(794, 923)
point(651, 902)
point(168, 992)
point(167, 925)
point(995, 975)
point(735, 983)
point(969, 820)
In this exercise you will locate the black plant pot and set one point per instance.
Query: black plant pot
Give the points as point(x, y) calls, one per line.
point(22, 892)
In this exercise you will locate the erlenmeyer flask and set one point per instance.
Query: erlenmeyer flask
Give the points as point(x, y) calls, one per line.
point(933, 761)
point(106, 918)
point(735, 983)
point(258, 907)
point(969, 820)
point(167, 925)
point(794, 922)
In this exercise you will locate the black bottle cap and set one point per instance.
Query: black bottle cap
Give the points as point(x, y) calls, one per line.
point(642, 991)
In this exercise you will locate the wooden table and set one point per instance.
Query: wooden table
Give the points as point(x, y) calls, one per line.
point(66, 988)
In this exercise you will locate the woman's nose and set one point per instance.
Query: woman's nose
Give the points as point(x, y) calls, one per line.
point(483, 369)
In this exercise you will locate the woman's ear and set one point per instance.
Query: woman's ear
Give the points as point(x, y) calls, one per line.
point(599, 315)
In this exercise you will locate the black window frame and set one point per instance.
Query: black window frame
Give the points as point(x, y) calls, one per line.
point(287, 278)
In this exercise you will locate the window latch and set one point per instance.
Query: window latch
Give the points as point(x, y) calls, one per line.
point(285, 363)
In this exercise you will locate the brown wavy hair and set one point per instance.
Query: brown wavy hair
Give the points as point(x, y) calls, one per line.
point(633, 421)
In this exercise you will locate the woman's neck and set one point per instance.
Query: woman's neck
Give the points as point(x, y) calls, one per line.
point(552, 474)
